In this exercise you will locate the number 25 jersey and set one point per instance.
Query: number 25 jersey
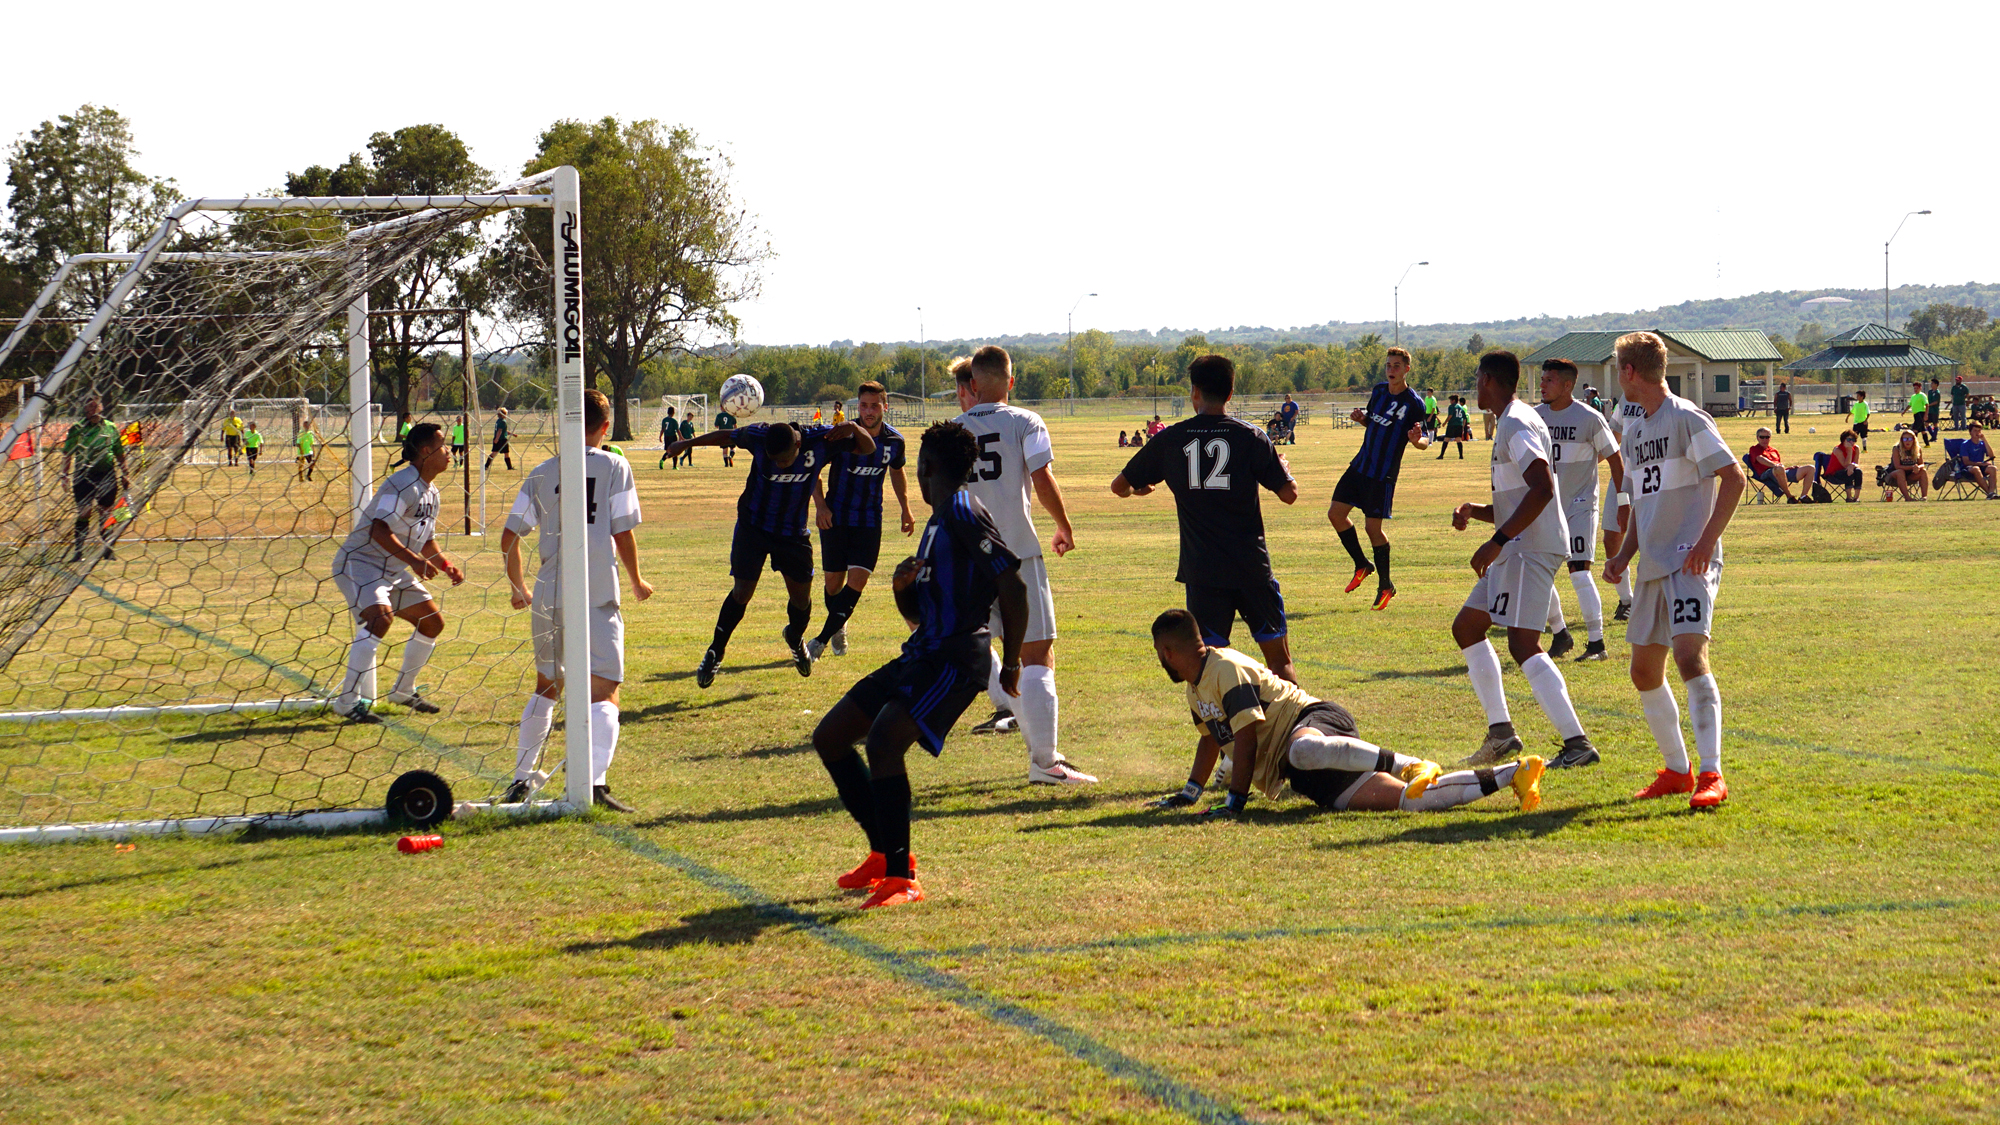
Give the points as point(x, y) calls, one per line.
point(1013, 443)
point(1214, 465)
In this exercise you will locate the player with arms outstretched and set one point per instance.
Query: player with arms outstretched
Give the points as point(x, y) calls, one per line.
point(609, 519)
point(1014, 467)
point(1579, 438)
point(849, 514)
point(1215, 465)
point(1276, 733)
point(1394, 419)
point(785, 462)
point(380, 569)
point(961, 573)
point(1517, 572)
point(1685, 486)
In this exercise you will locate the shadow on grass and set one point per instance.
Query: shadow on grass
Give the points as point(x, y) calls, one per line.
point(1477, 829)
point(1455, 670)
point(725, 670)
point(1181, 818)
point(682, 707)
point(157, 873)
point(761, 753)
point(924, 810)
point(740, 924)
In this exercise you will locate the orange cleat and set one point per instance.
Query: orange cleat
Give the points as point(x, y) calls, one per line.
point(1383, 595)
point(1666, 784)
point(1709, 791)
point(894, 892)
point(869, 873)
point(1361, 574)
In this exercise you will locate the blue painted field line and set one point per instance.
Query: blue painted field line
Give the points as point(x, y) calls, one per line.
point(1175, 1095)
point(1450, 925)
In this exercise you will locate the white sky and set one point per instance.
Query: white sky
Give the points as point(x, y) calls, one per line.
point(1196, 165)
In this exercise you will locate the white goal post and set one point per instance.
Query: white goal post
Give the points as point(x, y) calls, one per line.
point(31, 590)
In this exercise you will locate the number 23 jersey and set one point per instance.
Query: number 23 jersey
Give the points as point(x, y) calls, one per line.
point(1013, 443)
point(1671, 459)
point(1214, 465)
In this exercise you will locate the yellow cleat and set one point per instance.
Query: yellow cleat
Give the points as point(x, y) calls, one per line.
point(1417, 777)
point(1528, 782)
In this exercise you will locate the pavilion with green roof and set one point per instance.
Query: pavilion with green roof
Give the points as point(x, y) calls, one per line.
point(1870, 347)
point(1703, 365)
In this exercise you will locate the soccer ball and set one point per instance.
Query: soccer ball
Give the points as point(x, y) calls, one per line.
point(742, 395)
point(1812, 429)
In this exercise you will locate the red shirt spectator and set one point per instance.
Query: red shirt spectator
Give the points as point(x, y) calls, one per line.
point(1763, 457)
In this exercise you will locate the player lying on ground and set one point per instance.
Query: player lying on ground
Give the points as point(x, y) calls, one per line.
point(1276, 733)
point(1392, 421)
point(962, 571)
point(849, 515)
point(609, 520)
point(380, 567)
point(1687, 485)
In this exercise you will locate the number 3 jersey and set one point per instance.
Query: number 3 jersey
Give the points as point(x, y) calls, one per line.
point(1214, 465)
point(1013, 443)
point(1671, 458)
point(612, 506)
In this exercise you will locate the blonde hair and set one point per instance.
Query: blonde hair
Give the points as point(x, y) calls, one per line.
point(961, 369)
point(1645, 354)
point(992, 363)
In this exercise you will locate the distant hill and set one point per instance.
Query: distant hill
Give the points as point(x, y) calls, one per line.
point(1770, 312)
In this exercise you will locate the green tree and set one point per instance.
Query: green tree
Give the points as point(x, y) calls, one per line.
point(1934, 322)
point(667, 250)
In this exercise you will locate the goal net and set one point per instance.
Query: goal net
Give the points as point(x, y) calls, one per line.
point(170, 634)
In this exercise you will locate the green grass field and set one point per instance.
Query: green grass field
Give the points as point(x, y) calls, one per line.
point(1823, 948)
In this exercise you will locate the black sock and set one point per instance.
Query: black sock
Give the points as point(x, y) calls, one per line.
point(725, 624)
point(1488, 784)
point(857, 793)
point(1443, 448)
point(1352, 541)
point(1382, 567)
point(798, 615)
point(1385, 761)
point(892, 822)
point(1500, 730)
point(839, 608)
point(1461, 451)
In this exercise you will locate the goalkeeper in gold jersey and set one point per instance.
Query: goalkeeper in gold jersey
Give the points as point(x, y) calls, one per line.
point(1274, 733)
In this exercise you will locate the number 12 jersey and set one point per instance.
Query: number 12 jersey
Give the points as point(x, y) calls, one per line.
point(1214, 465)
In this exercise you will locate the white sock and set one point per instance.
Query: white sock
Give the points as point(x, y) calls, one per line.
point(1311, 750)
point(1624, 586)
point(360, 662)
point(1037, 709)
point(1589, 602)
point(1484, 666)
point(994, 692)
point(415, 654)
point(603, 739)
point(1705, 712)
point(1553, 694)
point(1556, 623)
point(536, 719)
point(1462, 787)
point(1663, 715)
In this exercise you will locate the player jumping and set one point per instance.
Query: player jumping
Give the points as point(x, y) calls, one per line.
point(1014, 460)
point(1579, 437)
point(1517, 572)
point(785, 461)
point(609, 517)
point(962, 571)
point(849, 514)
point(1214, 466)
point(1687, 486)
point(1276, 733)
point(379, 568)
point(1394, 419)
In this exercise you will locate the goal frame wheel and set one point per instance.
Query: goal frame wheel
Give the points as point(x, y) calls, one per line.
point(420, 799)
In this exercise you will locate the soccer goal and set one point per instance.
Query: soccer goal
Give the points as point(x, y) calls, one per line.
point(169, 630)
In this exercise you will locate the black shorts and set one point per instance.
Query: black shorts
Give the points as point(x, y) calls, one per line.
point(790, 555)
point(1323, 787)
point(97, 486)
point(1861, 430)
point(1215, 609)
point(232, 442)
point(935, 691)
point(850, 548)
point(459, 449)
point(500, 447)
point(1375, 498)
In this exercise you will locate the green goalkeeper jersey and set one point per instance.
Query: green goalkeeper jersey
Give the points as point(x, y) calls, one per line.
point(305, 443)
point(253, 440)
point(92, 445)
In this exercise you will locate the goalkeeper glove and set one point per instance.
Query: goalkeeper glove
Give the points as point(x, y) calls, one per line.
point(1180, 800)
point(1229, 808)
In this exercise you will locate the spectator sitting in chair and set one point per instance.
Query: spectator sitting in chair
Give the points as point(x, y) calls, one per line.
point(1906, 468)
point(1768, 466)
point(1976, 457)
point(1843, 466)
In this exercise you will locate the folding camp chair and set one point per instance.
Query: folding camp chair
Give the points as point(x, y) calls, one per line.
point(1760, 493)
point(1953, 480)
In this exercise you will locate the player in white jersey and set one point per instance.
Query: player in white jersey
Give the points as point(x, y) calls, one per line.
point(1517, 572)
point(379, 569)
point(1014, 459)
point(1578, 439)
point(610, 514)
point(1685, 486)
point(1619, 501)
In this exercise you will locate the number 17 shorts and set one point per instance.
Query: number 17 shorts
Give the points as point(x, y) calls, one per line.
point(607, 641)
point(1516, 589)
point(1665, 608)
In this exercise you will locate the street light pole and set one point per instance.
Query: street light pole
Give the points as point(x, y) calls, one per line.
point(923, 364)
point(1397, 294)
point(1072, 349)
point(1885, 267)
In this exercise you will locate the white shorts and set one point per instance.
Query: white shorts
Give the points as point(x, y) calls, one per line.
point(1041, 603)
point(398, 592)
point(1515, 590)
point(1679, 604)
point(607, 642)
point(1582, 519)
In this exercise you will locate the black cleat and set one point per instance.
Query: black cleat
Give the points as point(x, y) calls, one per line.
point(1623, 612)
point(1576, 753)
point(1000, 723)
point(601, 795)
point(516, 793)
point(1560, 645)
point(705, 675)
point(359, 713)
point(801, 659)
point(1593, 651)
point(414, 702)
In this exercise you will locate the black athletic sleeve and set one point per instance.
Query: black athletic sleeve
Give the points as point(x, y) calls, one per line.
point(1269, 469)
point(752, 434)
point(897, 451)
point(972, 530)
point(1145, 466)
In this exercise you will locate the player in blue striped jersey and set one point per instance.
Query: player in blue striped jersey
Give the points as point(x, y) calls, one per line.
point(785, 461)
point(849, 514)
point(1393, 419)
point(946, 591)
